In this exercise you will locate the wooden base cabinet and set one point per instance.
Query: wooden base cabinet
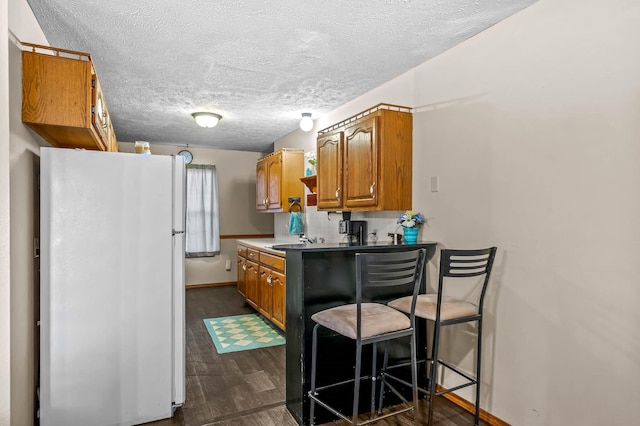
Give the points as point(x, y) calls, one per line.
point(365, 162)
point(62, 99)
point(242, 271)
point(262, 282)
point(252, 279)
point(272, 288)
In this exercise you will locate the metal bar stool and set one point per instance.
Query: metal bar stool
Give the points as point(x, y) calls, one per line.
point(447, 310)
point(370, 323)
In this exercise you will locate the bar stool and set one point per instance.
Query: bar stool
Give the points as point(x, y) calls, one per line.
point(370, 323)
point(447, 310)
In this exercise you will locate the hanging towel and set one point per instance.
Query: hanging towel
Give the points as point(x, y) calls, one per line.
point(295, 223)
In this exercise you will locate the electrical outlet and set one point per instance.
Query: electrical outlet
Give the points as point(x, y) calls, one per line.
point(227, 265)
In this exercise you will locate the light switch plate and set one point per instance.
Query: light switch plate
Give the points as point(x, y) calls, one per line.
point(435, 183)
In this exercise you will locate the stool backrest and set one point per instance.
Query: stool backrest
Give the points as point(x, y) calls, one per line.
point(466, 263)
point(384, 270)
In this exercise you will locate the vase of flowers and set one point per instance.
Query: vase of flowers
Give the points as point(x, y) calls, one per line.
point(411, 222)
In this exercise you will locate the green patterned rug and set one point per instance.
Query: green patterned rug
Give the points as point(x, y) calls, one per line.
point(242, 332)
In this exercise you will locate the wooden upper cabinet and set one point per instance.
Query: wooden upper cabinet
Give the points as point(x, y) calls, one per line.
point(329, 170)
point(261, 185)
point(62, 99)
point(274, 182)
point(361, 164)
point(278, 178)
point(364, 162)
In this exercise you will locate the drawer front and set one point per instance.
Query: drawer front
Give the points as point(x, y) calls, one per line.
point(253, 254)
point(242, 251)
point(274, 262)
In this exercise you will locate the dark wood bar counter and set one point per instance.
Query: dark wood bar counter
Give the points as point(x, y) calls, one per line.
point(321, 276)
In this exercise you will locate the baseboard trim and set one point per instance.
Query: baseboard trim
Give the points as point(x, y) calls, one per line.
point(245, 236)
point(470, 407)
point(190, 286)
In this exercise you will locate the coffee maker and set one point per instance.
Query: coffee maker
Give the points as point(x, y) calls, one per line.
point(356, 230)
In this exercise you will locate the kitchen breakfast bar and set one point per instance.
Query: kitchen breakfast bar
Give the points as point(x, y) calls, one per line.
point(321, 276)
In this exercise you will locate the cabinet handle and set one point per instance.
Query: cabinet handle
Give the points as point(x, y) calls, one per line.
point(104, 120)
point(338, 194)
point(269, 279)
point(267, 202)
point(244, 267)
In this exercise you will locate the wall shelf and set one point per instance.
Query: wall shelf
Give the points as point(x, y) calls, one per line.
point(310, 182)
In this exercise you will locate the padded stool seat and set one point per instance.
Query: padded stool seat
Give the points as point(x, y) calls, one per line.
point(376, 319)
point(427, 305)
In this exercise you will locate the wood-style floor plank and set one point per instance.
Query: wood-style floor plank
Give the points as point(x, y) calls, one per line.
point(248, 388)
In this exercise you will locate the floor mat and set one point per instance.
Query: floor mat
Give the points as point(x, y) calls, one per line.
point(242, 332)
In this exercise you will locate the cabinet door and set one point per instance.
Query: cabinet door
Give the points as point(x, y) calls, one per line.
point(361, 164)
point(261, 184)
point(242, 284)
point(265, 292)
point(329, 171)
point(99, 114)
point(251, 278)
point(274, 180)
point(279, 286)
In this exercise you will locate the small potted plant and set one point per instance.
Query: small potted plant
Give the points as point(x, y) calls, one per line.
point(411, 221)
point(310, 157)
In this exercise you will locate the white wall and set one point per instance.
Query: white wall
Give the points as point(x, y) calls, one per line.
point(533, 129)
point(5, 289)
point(22, 148)
point(238, 216)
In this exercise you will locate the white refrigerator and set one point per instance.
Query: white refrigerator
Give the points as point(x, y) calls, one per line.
point(112, 287)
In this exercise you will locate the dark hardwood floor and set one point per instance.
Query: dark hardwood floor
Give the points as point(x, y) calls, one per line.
point(248, 387)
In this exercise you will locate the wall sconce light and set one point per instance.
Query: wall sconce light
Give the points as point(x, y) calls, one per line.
point(306, 123)
point(206, 119)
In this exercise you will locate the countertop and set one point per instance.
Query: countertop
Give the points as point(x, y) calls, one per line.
point(279, 246)
point(382, 245)
point(265, 244)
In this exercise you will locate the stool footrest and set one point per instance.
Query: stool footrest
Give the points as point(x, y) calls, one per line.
point(341, 383)
point(371, 420)
point(471, 380)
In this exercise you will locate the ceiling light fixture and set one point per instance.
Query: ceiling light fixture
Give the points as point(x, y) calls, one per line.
point(206, 119)
point(306, 123)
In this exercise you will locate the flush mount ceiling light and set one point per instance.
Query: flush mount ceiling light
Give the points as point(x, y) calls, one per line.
point(306, 123)
point(206, 119)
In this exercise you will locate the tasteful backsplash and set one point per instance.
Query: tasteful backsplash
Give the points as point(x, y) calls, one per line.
point(325, 225)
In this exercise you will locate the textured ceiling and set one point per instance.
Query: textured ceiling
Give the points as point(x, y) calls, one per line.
point(259, 64)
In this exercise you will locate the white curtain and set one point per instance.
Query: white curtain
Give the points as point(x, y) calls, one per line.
point(202, 231)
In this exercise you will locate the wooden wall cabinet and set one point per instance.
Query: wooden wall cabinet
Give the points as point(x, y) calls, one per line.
point(365, 162)
point(62, 99)
point(262, 282)
point(329, 171)
point(278, 178)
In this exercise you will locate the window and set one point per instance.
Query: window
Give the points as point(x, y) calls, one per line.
point(202, 224)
